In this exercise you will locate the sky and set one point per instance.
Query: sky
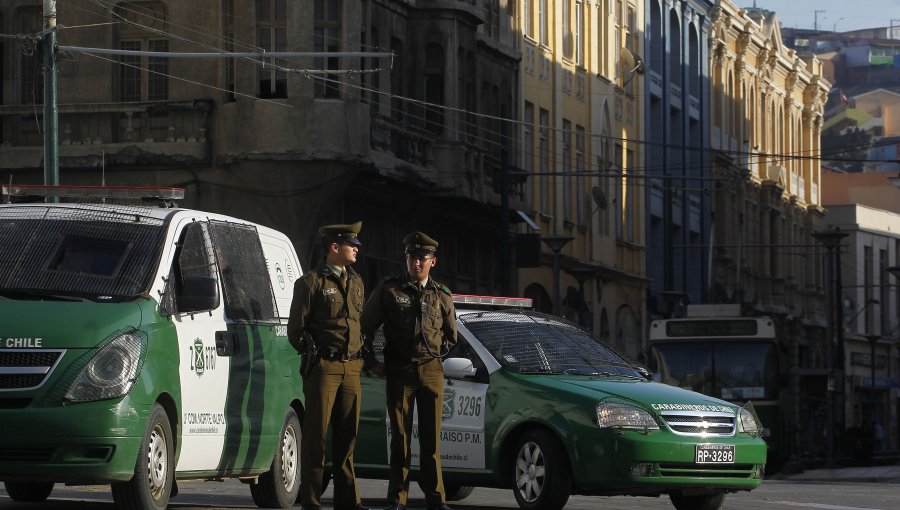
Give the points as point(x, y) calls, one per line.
point(842, 15)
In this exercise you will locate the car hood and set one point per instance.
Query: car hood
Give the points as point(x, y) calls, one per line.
point(63, 324)
point(659, 396)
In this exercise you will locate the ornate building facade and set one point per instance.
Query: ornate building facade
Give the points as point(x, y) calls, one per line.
point(767, 103)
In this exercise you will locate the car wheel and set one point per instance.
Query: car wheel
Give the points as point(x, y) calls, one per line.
point(705, 502)
point(154, 471)
point(542, 477)
point(279, 487)
point(28, 492)
point(457, 492)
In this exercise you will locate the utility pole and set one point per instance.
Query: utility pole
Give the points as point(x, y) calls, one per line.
point(51, 114)
point(816, 18)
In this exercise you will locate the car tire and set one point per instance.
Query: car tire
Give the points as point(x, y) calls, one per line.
point(705, 502)
point(28, 492)
point(280, 486)
point(541, 474)
point(457, 492)
point(154, 471)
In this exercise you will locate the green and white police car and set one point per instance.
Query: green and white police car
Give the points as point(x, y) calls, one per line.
point(533, 403)
point(139, 344)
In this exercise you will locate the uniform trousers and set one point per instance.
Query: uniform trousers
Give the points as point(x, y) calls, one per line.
point(422, 386)
point(332, 394)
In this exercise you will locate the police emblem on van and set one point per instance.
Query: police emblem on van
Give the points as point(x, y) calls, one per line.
point(199, 364)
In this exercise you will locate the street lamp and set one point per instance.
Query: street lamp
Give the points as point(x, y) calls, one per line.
point(556, 243)
point(581, 275)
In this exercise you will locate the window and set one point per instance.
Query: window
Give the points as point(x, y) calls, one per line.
point(567, 29)
point(245, 278)
point(543, 14)
point(528, 146)
point(631, 194)
point(271, 36)
point(434, 88)
point(567, 169)
point(228, 31)
point(579, 32)
point(327, 37)
point(618, 200)
point(142, 78)
point(580, 195)
point(527, 20)
point(397, 90)
point(544, 155)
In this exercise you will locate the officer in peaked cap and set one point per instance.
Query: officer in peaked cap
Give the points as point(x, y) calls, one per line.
point(419, 328)
point(324, 327)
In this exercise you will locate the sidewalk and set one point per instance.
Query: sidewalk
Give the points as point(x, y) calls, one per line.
point(867, 474)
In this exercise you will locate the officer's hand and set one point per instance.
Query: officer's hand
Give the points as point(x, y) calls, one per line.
point(378, 370)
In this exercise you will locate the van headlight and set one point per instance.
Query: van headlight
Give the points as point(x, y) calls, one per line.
point(748, 420)
point(111, 372)
point(614, 415)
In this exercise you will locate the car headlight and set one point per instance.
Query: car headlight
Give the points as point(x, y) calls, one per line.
point(614, 415)
point(111, 372)
point(750, 424)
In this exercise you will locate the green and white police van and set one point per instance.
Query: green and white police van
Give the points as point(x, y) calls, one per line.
point(144, 344)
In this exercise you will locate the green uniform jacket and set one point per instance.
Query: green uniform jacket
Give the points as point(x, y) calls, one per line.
point(330, 314)
point(411, 319)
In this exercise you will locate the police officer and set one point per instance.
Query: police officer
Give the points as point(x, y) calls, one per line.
point(324, 327)
point(419, 329)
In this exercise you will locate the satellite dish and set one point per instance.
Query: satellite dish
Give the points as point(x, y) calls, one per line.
point(629, 64)
point(599, 198)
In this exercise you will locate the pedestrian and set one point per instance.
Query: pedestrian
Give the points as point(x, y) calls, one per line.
point(419, 329)
point(324, 326)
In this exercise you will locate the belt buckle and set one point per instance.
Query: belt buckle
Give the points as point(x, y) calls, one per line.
point(345, 357)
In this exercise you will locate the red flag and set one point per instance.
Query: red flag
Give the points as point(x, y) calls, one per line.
point(844, 99)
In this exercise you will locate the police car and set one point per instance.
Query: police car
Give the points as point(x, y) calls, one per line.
point(535, 404)
point(144, 343)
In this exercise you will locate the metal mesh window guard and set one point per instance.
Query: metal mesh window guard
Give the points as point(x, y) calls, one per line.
point(530, 342)
point(96, 252)
point(248, 290)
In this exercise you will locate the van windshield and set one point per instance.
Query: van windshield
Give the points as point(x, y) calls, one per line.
point(98, 253)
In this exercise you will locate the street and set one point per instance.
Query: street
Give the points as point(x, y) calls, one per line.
point(773, 495)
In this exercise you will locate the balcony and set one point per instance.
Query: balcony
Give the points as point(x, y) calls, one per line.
point(408, 144)
point(655, 83)
point(164, 132)
point(694, 107)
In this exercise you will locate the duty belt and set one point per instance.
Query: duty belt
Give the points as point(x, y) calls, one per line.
point(340, 356)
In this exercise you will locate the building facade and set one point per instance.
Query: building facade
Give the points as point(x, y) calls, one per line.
point(767, 103)
point(677, 171)
point(395, 126)
point(581, 158)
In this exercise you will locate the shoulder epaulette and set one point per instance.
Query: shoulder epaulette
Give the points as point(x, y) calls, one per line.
point(446, 290)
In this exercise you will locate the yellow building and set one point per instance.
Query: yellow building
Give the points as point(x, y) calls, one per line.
point(581, 112)
point(767, 107)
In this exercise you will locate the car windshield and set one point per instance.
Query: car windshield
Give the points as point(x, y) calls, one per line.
point(72, 252)
point(531, 342)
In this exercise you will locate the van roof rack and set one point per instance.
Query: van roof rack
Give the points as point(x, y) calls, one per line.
point(143, 193)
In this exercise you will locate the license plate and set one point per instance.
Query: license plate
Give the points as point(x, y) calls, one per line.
point(714, 454)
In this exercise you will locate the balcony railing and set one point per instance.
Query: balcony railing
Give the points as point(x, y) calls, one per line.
point(409, 144)
point(159, 127)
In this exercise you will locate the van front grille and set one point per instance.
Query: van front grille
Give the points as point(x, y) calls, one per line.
point(26, 369)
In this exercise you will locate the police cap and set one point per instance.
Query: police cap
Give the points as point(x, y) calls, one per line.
point(419, 243)
point(346, 233)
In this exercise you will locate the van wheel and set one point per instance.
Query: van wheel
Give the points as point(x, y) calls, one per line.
point(280, 486)
point(705, 502)
point(28, 492)
point(542, 477)
point(154, 471)
point(457, 492)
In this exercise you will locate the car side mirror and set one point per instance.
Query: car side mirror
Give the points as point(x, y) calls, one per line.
point(197, 293)
point(459, 368)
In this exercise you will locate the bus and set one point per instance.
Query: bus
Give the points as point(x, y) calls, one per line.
point(733, 358)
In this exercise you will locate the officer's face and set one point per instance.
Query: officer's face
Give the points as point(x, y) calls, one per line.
point(419, 266)
point(345, 253)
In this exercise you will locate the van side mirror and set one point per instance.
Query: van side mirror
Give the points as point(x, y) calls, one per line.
point(459, 368)
point(197, 293)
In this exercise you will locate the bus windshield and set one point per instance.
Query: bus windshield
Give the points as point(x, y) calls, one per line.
point(726, 369)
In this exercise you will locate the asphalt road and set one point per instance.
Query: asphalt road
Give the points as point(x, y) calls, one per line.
point(773, 495)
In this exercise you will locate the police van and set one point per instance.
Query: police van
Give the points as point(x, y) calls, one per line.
point(140, 344)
